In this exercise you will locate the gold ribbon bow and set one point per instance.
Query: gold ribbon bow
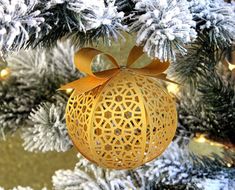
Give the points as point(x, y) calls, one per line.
point(83, 61)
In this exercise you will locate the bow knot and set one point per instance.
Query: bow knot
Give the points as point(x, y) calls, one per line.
point(83, 61)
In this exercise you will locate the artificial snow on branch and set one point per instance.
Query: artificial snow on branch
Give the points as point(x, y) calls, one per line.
point(180, 168)
point(82, 21)
point(103, 18)
point(176, 168)
point(35, 77)
point(48, 132)
point(163, 27)
point(215, 17)
point(19, 20)
point(91, 177)
point(30, 23)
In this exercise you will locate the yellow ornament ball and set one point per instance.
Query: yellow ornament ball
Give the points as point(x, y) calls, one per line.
point(126, 122)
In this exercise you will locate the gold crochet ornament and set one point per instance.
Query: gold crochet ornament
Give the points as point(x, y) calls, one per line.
point(122, 123)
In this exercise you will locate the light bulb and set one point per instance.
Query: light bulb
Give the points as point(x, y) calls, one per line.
point(173, 88)
point(4, 73)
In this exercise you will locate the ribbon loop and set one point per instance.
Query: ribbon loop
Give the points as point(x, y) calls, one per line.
point(84, 57)
point(153, 69)
point(135, 53)
point(156, 67)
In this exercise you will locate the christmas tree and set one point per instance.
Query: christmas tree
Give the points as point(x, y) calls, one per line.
point(38, 39)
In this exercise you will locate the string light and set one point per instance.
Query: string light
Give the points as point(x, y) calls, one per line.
point(69, 91)
point(201, 138)
point(4, 73)
point(216, 144)
point(229, 165)
point(173, 88)
point(231, 66)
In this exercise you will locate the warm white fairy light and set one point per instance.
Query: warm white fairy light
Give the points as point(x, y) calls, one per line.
point(69, 91)
point(173, 88)
point(201, 138)
point(231, 66)
point(4, 73)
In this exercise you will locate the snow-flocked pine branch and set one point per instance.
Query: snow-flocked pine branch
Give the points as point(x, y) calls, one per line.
point(163, 27)
point(91, 177)
point(35, 78)
point(176, 168)
point(216, 19)
point(19, 20)
point(30, 23)
point(210, 109)
point(48, 131)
